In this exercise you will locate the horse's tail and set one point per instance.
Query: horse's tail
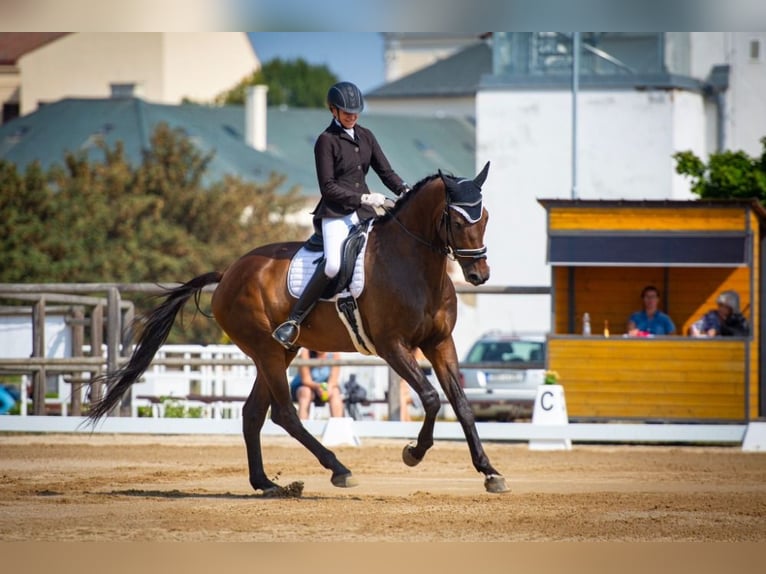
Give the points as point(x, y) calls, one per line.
point(155, 332)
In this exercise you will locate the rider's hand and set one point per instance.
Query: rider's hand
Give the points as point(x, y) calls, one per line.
point(373, 199)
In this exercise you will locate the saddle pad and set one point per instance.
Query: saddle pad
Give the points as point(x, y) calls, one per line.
point(302, 268)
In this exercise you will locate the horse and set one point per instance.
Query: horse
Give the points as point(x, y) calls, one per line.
point(408, 302)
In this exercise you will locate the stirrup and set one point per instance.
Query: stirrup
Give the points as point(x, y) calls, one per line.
point(287, 334)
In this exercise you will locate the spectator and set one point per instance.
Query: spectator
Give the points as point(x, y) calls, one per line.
point(650, 320)
point(318, 384)
point(725, 320)
point(7, 400)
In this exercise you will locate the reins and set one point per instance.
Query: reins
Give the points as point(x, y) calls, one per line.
point(448, 250)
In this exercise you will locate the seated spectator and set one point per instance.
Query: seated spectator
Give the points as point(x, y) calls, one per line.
point(725, 320)
point(650, 321)
point(317, 384)
point(7, 400)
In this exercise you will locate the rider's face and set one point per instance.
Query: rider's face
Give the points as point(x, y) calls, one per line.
point(346, 119)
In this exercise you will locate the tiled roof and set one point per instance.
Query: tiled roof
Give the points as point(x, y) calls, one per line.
point(13, 45)
point(456, 75)
point(416, 147)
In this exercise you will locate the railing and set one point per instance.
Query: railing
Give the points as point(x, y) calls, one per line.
point(111, 313)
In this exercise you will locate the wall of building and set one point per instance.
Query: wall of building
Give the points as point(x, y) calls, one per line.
point(165, 67)
point(408, 52)
point(745, 100)
point(626, 141)
point(199, 66)
point(84, 65)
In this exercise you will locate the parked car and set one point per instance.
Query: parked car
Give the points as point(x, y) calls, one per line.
point(507, 391)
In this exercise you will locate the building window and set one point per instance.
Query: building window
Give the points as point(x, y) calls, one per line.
point(124, 90)
point(11, 111)
point(755, 50)
point(538, 54)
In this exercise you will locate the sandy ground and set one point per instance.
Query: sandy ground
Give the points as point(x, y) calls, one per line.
point(190, 488)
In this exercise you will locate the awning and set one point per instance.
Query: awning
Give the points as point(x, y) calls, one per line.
point(648, 250)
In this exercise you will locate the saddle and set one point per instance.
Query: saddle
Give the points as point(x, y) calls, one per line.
point(352, 246)
point(347, 285)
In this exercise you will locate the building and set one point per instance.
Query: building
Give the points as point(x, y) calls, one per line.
point(408, 52)
point(446, 88)
point(641, 98)
point(12, 47)
point(160, 67)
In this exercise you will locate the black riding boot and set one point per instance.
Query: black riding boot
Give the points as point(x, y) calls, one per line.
point(287, 333)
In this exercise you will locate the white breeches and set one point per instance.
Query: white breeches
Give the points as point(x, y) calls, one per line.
point(334, 232)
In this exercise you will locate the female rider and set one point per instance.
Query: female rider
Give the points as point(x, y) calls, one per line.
point(344, 153)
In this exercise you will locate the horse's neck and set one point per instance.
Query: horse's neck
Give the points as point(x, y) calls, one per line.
point(423, 213)
point(414, 230)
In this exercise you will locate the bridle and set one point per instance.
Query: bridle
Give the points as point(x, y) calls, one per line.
point(449, 249)
point(453, 252)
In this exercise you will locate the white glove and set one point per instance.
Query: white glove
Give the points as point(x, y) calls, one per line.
point(373, 199)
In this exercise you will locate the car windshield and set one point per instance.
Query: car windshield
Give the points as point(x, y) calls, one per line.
point(506, 351)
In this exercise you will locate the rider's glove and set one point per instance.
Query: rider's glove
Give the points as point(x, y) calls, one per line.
point(373, 199)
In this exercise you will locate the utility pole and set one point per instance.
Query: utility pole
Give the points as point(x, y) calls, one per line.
point(575, 88)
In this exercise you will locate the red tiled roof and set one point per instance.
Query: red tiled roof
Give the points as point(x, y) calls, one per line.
point(13, 45)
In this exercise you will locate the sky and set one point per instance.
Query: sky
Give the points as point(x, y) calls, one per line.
point(352, 56)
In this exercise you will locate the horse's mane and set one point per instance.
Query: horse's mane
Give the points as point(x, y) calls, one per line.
point(403, 201)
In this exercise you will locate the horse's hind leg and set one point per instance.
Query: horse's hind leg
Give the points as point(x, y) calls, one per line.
point(253, 417)
point(284, 414)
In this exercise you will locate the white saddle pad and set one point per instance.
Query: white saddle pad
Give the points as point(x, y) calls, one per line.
point(304, 263)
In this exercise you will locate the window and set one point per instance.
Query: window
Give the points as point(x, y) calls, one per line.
point(755, 50)
point(126, 90)
point(10, 111)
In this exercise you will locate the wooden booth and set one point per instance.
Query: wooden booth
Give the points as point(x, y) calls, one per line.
point(602, 254)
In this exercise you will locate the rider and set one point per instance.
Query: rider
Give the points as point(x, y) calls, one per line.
point(344, 152)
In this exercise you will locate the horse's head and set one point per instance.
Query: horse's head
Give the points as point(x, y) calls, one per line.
point(465, 223)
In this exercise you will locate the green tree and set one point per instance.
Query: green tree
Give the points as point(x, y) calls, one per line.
point(294, 83)
point(728, 174)
point(110, 221)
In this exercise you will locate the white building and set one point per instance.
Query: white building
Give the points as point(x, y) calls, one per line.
point(641, 98)
point(161, 67)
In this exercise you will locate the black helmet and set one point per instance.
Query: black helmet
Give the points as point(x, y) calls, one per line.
point(347, 97)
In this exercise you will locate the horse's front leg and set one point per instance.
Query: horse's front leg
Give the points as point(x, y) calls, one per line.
point(443, 358)
point(403, 361)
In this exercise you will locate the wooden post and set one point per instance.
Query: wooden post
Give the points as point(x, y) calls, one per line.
point(113, 333)
point(78, 339)
point(38, 350)
point(96, 341)
point(126, 341)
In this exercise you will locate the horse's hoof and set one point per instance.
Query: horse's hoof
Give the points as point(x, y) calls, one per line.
point(495, 483)
point(409, 458)
point(344, 480)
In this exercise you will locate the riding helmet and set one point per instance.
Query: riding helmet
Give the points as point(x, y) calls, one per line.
point(347, 97)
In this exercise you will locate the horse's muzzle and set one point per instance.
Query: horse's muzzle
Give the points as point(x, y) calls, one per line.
point(476, 272)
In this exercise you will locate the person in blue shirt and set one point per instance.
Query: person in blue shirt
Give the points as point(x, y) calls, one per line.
point(650, 321)
point(7, 399)
point(317, 384)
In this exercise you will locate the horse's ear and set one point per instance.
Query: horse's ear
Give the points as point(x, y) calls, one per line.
point(481, 178)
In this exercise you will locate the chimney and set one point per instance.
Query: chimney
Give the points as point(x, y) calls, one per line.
point(255, 116)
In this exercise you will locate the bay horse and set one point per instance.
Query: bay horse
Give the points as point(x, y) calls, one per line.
point(408, 302)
